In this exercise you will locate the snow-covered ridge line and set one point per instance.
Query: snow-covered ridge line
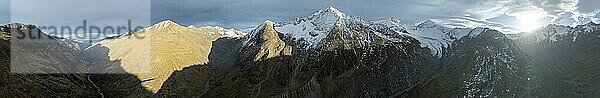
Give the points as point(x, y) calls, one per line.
point(337, 12)
point(552, 32)
point(223, 32)
point(168, 25)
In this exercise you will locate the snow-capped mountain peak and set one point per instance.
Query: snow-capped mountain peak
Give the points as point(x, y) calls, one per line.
point(336, 11)
point(268, 22)
point(330, 13)
point(255, 33)
point(429, 24)
point(396, 24)
point(165, 24)
point(192, 26)
point(313, 28)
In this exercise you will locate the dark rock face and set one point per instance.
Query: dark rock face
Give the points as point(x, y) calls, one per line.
point(483, 66)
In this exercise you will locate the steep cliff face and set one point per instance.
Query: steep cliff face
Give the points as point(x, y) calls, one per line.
point(271, 45)
point(265, 66)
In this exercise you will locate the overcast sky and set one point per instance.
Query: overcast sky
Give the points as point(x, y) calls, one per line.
point(507, 15)
point(4, 11)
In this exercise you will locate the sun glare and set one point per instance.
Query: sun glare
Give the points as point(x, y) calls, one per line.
point(529, 20)
point(528, 24)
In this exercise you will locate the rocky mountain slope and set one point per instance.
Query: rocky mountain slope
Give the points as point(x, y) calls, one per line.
point(154, 53)
point(485, 65)
point(336, 55)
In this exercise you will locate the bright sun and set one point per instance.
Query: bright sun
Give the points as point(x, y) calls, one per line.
point(528, 24)
point(529, 20)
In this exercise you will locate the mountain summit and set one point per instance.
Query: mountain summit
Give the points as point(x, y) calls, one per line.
point(335, 11)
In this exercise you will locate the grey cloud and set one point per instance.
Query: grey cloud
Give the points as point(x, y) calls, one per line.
point(585, 9)
point(245, 13)
point(229, 12)
point(248, 12)
point(588, 6)
point(4, 11)
point(556, 6)
point(505, 19)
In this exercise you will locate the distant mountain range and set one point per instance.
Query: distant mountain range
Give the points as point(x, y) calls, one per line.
point(325, 54)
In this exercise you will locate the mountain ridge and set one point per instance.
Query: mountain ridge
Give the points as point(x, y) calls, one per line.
point(150, 54)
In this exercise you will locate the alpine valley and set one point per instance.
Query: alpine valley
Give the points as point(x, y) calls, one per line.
point(324, 54)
